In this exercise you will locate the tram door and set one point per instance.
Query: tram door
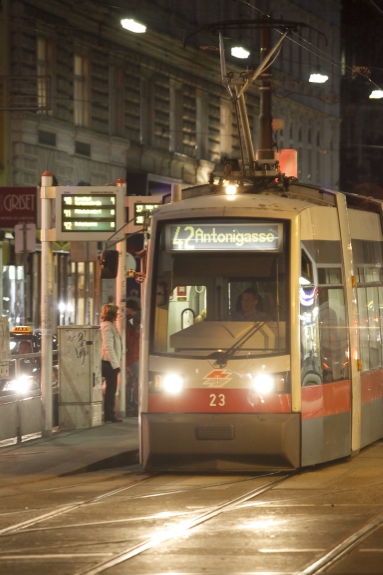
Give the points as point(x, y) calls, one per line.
point(324, 345)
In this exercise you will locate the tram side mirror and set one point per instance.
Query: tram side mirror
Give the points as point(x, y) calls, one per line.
point(109, 264)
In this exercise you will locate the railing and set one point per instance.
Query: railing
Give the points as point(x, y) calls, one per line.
point(20, 399)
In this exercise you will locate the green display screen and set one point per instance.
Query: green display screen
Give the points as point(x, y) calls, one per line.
point(88, 213)
point(264, 237)
point(141, 209)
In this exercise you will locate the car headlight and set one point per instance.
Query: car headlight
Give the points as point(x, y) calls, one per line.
point(20, 385)
point(172, 383)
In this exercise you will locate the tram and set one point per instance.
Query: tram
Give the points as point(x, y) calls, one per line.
point(299, 380)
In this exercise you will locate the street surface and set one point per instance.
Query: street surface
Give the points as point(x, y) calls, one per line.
point(122, 520)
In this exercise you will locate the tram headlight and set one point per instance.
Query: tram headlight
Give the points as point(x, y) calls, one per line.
point(263, 383)
point(172, 383)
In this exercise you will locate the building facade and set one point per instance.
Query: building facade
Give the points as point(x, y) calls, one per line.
point(92, 102)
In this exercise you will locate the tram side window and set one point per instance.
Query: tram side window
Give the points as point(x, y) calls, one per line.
point(311, 369)
point(370, 304)
point(333, 332)
point(324, 337)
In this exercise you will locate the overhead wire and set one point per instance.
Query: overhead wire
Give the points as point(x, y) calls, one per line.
point(316, 51)
point(376, 6)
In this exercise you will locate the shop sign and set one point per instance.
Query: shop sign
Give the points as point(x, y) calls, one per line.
point(17, 205)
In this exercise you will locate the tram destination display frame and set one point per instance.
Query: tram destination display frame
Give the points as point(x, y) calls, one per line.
point(231, 236)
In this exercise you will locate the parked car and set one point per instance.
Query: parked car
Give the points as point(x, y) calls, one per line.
point(25, 371)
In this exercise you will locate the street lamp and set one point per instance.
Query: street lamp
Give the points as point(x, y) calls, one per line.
point(133, 26)
point(239, 52)
point(318, 78)
point(376, 94)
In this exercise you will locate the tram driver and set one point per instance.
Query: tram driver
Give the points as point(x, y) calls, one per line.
point(249, 307)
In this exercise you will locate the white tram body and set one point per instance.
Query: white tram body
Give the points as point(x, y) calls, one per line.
point(301, 387)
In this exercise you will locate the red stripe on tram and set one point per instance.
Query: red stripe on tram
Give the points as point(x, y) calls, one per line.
point(327, 399)
point(219, 400)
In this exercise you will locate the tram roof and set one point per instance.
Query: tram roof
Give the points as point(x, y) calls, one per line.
point(295, 197)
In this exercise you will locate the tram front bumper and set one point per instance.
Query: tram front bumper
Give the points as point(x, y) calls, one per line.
point(220, 442)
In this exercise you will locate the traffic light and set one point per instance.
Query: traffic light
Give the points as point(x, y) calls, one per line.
point(109, 264)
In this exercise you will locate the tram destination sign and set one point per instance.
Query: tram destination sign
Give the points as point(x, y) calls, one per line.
point(95, 214)
point(208, 237)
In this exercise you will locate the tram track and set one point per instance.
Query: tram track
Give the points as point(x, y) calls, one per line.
point(67, 508)
point(112, 558)
point(173, 532)
point(343, 548)
point(24, 525)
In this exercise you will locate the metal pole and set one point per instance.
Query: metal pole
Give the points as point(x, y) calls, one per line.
point(121, 321)
point(265, 142)
point(246, 129)
point(25, 271)
point(1, 282)
point(46, 304)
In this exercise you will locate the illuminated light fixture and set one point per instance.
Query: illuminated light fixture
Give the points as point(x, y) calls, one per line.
point(239, 52)
point(307, 296)
point(172, 383)
point(133, 26)
point(231, 189)
point(263, 383)
point(376, 94)
point(318, 78)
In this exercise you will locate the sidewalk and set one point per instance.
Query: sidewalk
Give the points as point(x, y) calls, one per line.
point(71, 452)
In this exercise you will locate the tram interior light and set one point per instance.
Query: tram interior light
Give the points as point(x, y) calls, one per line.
point(304, 282)
point(172, 383)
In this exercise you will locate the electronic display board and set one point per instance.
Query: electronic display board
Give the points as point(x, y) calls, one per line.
point(218, 236)
point(89, 213)
point(141, 209)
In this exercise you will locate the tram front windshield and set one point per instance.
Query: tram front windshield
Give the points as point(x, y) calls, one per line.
point(220, 286)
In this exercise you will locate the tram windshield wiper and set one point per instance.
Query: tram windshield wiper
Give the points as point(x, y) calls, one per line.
point(221, 357)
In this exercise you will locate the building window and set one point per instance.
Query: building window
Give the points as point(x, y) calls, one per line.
point(82, 148)
point(116, 101)
point(47, 138)
point(81, 84)
point(44, 76)
point(176, 118)
point(146, 111)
